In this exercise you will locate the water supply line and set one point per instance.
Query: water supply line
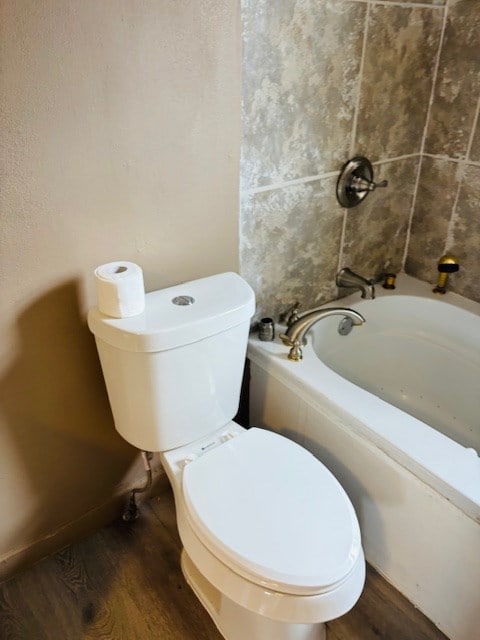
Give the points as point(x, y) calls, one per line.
point(131, 512)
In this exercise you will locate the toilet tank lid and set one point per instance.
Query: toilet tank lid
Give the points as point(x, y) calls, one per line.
point(179, 315)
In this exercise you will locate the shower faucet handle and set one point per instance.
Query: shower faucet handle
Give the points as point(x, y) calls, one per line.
point(361, 184)
point(356, 181)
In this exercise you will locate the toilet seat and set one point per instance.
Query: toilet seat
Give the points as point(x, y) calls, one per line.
point(273, 514)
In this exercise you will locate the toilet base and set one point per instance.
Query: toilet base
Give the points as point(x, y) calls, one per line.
point(237, 623)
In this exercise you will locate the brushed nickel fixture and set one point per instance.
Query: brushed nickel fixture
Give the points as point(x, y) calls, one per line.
point(356, 181)
point(290, 315)
point(351, 280)
point(266, 330)
point(295, 334)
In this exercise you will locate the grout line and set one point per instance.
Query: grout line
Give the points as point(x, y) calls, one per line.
point(409, 5)
point(403, 5)
point(360, 75)
point(424, 136)
point(412, 211)
point(468, 163)
point(449, 240)
point(290, 183)
point(320, 176)
point(387, 160)
point(342, 239)
point(474, 129)
point(434, 81)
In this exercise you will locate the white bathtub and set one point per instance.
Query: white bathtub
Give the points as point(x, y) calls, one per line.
point(393, 409)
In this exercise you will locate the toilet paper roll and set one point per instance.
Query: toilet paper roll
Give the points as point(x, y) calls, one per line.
point(120, 289)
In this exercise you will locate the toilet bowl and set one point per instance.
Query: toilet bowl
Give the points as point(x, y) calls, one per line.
point(267, 529)
point(271, 543)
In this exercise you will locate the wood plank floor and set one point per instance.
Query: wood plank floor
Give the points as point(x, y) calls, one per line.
point(124, 583)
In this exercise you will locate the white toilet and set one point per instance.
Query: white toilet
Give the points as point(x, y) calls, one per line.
point(271, 542)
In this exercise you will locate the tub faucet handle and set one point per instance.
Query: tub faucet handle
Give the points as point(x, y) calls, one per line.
point(295, 352)
point(446, 265)
point(291, 314)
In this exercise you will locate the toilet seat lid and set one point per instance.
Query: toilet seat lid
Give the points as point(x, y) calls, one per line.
point(273, 513)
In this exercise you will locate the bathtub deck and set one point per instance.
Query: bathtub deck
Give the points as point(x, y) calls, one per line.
point(124, 583)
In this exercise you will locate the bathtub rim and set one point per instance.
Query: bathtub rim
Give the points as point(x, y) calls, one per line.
point(445, 465)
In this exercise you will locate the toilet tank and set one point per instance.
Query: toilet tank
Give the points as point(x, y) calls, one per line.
point(174, 372)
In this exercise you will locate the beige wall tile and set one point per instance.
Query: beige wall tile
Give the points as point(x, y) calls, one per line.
point(291, 245)
point(458, 82)
point(301, 74)
point(464, 239)
point(397, 79)
point(435, 199)
point(376, 229)
point(475, 150)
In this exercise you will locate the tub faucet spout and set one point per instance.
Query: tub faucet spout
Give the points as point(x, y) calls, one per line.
point(295, 334)
point(348, 278)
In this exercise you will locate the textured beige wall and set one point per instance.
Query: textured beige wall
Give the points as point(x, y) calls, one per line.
point(120, 140)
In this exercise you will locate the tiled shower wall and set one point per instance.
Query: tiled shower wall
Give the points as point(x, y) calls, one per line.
point(447, 208)
point(324, 81)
